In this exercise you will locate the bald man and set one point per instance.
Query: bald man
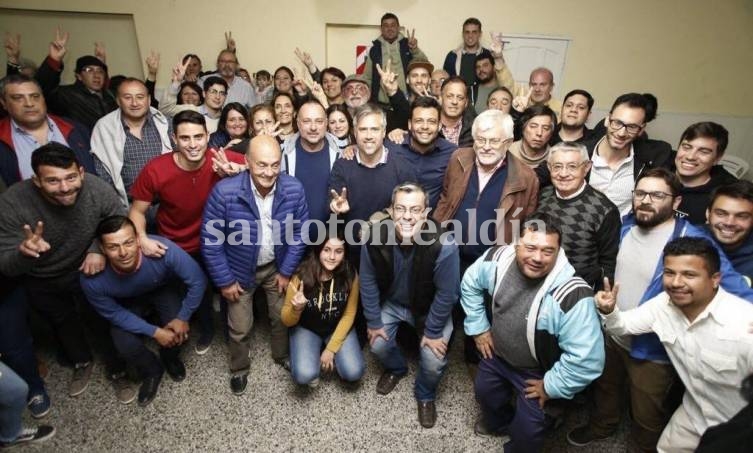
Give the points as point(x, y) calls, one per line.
point(251, 238)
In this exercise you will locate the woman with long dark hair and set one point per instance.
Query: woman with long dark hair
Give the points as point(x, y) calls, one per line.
point(340, 124)
point(320, 306)
point(232, 128)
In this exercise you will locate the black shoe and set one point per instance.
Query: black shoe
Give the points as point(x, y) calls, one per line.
point(427, 413)
point(481, 429)
point(387, 382)
point(148, 389)
point(238, 384)
point(175, 369)
point(30, 435)
point(582, 436)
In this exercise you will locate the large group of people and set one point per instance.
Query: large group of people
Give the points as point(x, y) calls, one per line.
point(598, 264)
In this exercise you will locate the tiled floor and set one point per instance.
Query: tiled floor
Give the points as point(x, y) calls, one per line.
point(201, 414)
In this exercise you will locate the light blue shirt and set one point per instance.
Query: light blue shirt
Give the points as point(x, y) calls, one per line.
point(24, 144)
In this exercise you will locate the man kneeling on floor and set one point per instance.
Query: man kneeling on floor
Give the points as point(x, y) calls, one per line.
point(544, 342)
point(131, 286)
point(410, 272)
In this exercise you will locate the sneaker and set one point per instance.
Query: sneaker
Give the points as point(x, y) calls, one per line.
point(480, 429)
point(30, 435)
point(238, 384)
point(314, 384)
point(39, 405)
point(81, 376)
point(582, 436)
point(125, 390)
point(203, 345)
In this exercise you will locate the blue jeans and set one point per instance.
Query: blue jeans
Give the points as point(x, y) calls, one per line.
point(16, 346)
point(431, 367)
point(306, 349)
point(13, 391)
point(497, 383)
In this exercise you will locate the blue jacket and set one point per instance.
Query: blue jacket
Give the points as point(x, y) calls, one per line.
point(648, 346)
point(566, 338)
point(229, 230)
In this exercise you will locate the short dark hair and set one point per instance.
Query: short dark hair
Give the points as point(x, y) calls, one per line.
point(652, 106)
point(263, 73)
point(632, 100)
point(538, 110)
point(472, 21)
point(238, 107)
point(696, 246)
point(131, 80)
point(675, 186)
point(708, 129)
point(188, 116)
point(740, 189)
point(499, 88)
point(16, 79)
point(425, 102)
point(53, 154)
point(114, 223)
point(584, 93)
point(214, 80)
point(536, 220)
point(453, 79)
point(483, 56)
point(389, 16)
point(332, 71)
point(188, 56)
point(192, 85)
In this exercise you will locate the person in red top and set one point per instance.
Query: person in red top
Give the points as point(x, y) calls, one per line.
point(181, 182)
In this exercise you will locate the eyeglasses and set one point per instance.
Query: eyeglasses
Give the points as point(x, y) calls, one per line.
point(356, 88)
point(492, 142)
point(217, 92)
point(569, 168)
point(653, 196)
point(630, 128)
point(93, 70)
point(415, 210)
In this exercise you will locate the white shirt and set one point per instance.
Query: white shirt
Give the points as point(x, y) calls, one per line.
point(266, 232)
point(617, 184)
point(712, 355)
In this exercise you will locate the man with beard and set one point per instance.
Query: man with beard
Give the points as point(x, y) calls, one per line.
point(575, 112)
point(238, 89)
point(426, 152)
point(47, 234)
point(485, 83)
point(640, 363)
point(419, 78)
point(538, 123)
point(410, 273)
point(356, 92)
point(730, 221)
point(618, 158)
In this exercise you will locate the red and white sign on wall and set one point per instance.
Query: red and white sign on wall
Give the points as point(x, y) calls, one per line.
point(361, 53)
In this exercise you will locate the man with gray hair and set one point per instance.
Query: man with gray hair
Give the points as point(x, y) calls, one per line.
point(486, 193)
point(589, 221)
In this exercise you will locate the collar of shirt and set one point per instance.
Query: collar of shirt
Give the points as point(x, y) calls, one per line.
point(717, 310)
point(50, 124)
point(570, 197)
point(128, 128)
point(599, 161)
point(382, 161)
point(259, 195)
point(465, 51)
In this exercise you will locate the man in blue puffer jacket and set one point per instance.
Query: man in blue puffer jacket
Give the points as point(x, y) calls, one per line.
point(544, 341)
point(251, 238)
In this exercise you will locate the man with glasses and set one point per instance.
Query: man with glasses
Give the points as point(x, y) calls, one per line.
point(238, 89)
point(590, 223)
point(356, 92)
point(618, 158)
point(486, 193)
point(88, 99)
point(640, 363)
point(409, 273)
